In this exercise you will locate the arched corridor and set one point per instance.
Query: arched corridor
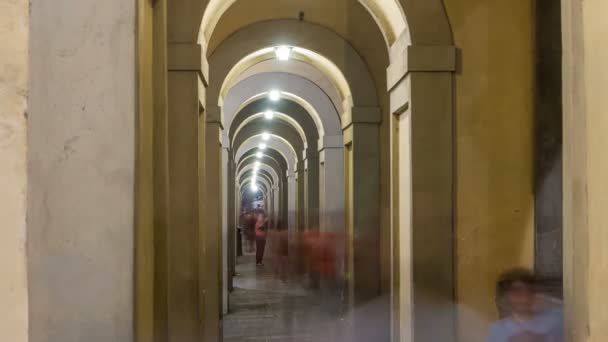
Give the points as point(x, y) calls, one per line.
point(303, 170)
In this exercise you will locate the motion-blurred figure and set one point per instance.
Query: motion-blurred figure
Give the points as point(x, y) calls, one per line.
point(261, 225)
point(281, 250)
point(249, 221)
point(529, 318)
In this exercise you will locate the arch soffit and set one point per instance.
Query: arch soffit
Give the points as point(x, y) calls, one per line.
point(315, 101)
point(332, 54)
point(388, 15)
point(267, 160)
point(278, 143)
point(249, 174)
point(287, 155)
point(277, 130)
point(262, 183)
point(425, 22)
point(264, 170)
point(295, 68)
point(288, 111)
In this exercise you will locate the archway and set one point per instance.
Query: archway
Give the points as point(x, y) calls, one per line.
point(408, 85)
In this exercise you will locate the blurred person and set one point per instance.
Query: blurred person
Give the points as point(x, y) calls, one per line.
point(528, 318)
point(281, 251)
point(261, 226)
point(249, 230)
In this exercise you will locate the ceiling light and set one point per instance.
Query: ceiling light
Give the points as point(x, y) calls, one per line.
point(259, 154)
point(262, 146)
point(257, 164)
point(269, 114)
point(265, 136)
point(254, 188)
point(274, 95)
point(282, 52)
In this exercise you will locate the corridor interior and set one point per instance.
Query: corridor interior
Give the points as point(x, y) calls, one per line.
point(399, 163)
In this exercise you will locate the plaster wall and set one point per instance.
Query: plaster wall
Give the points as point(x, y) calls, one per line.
point(494, 146)
point(585, 169)
point(595, 29)
point(14, 20)
point(81, 157)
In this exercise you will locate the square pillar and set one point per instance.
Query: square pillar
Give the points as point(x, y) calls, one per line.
point(300, 208)
point(420, 83)
point(179, 249)
point(212, 226)
point(362, 197)
point(311, 181)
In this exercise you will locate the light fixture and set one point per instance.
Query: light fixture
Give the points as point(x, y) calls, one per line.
point(262, 146)
point(274, 95)
point(269, 114)
point(259, 154)
point(257, 164)
point(254, 188)
point(265, 136)
point(282, 52)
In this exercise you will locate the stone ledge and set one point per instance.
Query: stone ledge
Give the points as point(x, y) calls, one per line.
point(188, 57)
point(421, 58)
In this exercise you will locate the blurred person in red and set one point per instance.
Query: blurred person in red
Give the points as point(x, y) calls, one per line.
point(261, 227)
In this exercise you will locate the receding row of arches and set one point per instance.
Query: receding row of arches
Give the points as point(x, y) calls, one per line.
point(359, 141)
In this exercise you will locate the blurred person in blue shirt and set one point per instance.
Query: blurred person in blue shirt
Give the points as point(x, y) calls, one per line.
point(529, 316)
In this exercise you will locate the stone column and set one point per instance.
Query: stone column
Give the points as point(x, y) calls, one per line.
point(300, 208)
point(362, 187)
point(212, 225)
point(331, 184)
point(276, 204)
point(420, 85)
point(183, 249)
point(311, 197)
point(233, 213)
point(226, 247)
point(285, 193)
point(292, 189)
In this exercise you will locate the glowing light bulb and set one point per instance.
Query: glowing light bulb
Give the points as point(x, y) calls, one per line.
point(257, 164)
point(274, 95)
point(254, 188)
point(283, 53)
point(269, 114)
point(259, 154)
point(265, 136)
point(262, 146)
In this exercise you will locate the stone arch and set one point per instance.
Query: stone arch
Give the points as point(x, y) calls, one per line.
point(282, 130)
point(308, 95)
point(273, 159)
point(323, 64)
point(299, 69)
point(421, 90)
point(332, 54)
point(287, 154)
point(388, 14)
point(303, 120)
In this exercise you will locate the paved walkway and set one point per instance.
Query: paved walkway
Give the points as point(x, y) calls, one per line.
point(263, 308)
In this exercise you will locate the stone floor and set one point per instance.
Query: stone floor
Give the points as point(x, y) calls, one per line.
point(264, 308)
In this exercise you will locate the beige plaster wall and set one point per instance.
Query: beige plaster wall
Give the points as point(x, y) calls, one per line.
point(14, 21)
point(595, 28)
point(81, 154)
point(585, 168)
point(494, 172)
